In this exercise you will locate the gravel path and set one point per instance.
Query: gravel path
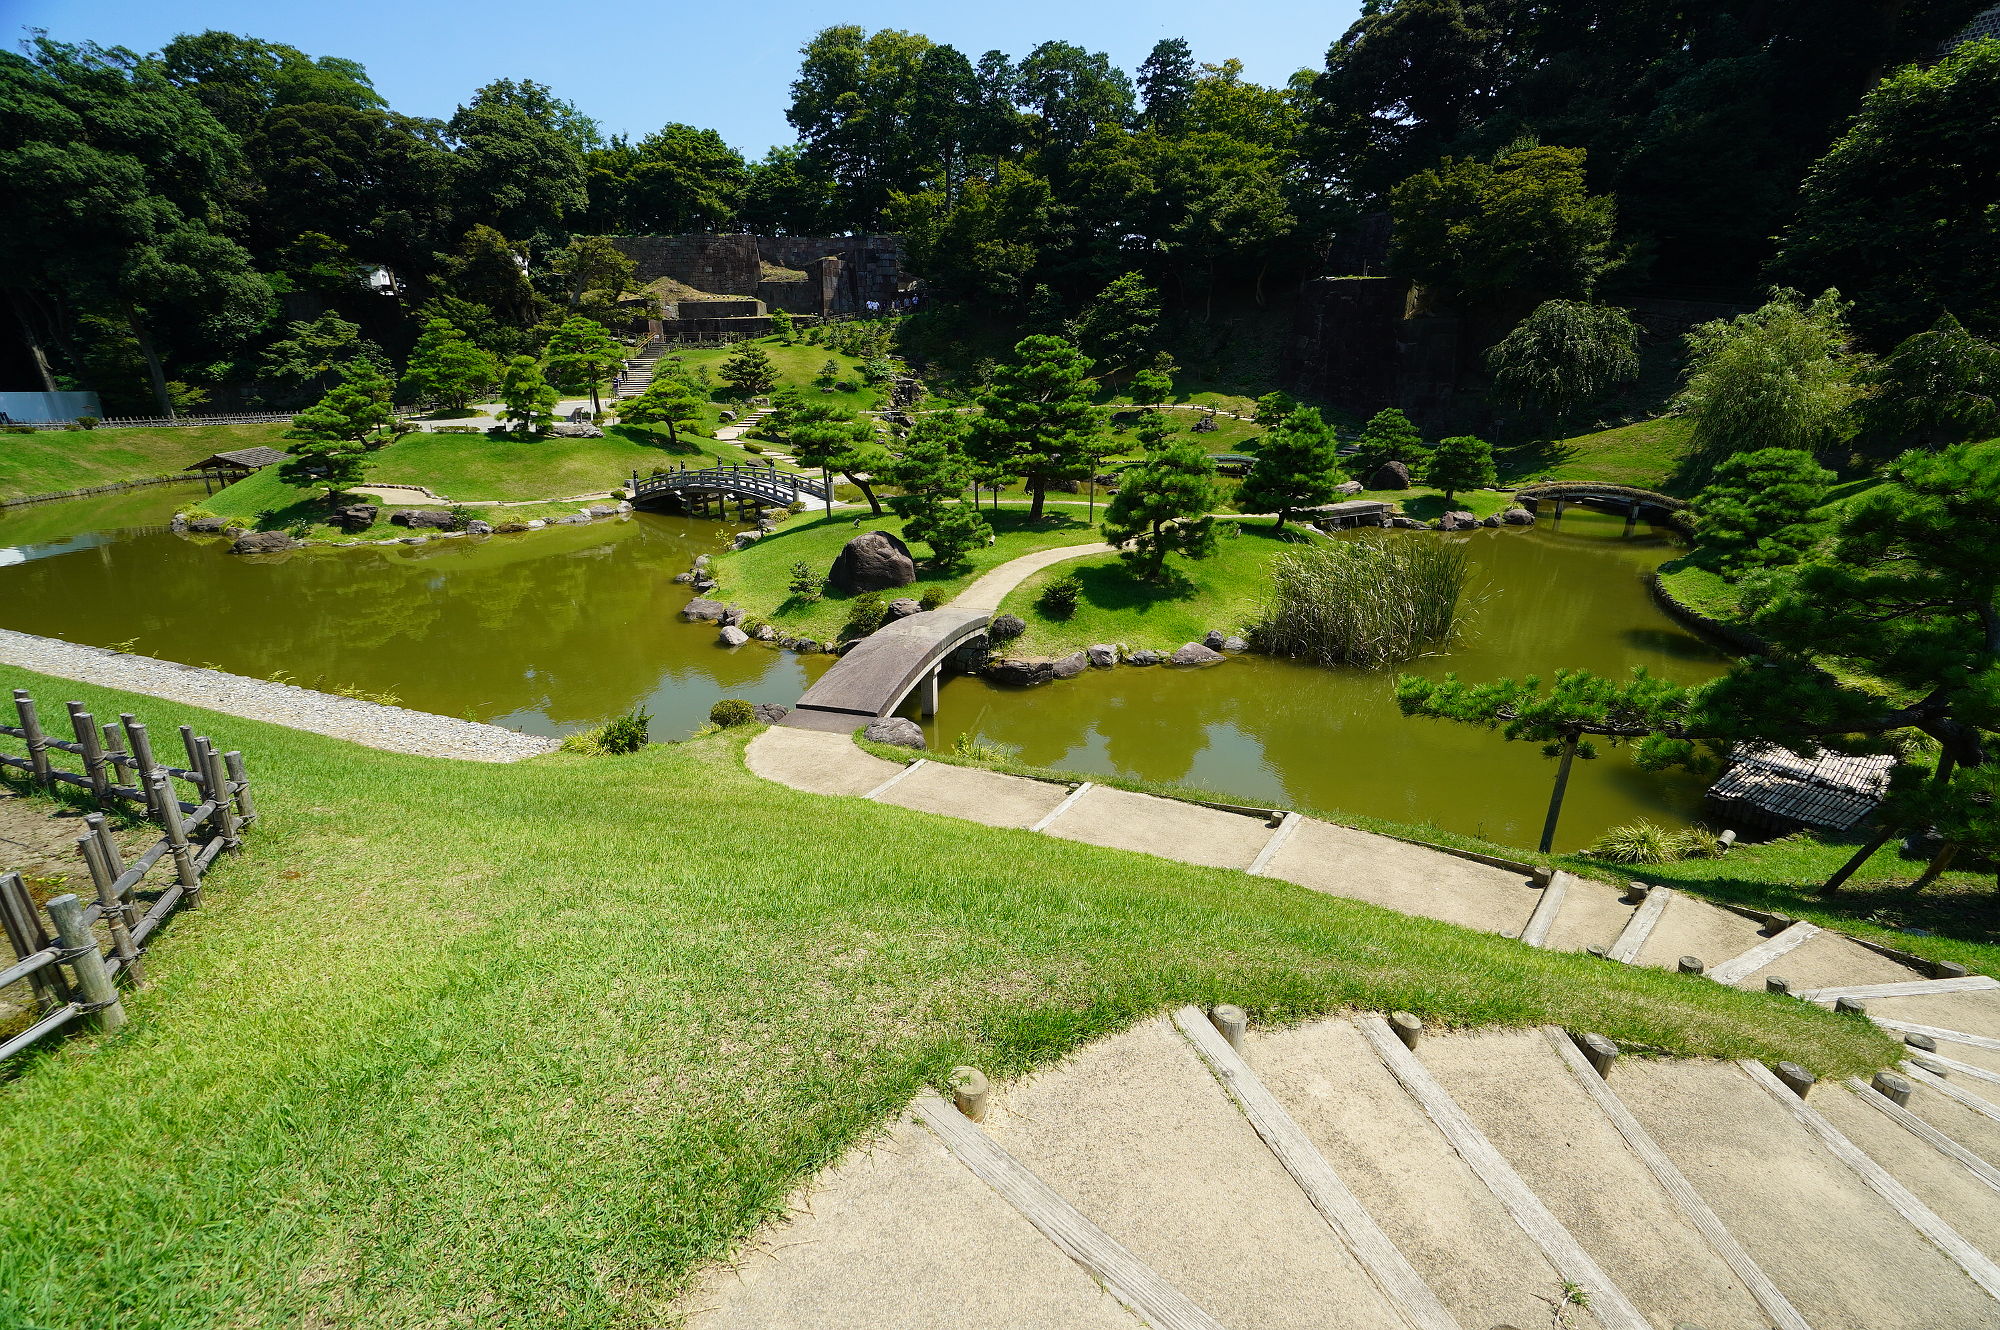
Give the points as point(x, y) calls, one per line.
point(394, 729)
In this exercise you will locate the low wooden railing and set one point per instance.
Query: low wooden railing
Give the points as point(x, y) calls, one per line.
point(71, 972)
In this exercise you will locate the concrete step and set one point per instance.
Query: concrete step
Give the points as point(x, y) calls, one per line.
point(901, 1237)
point(1430, 1204)
point(977, 796)
point(1956, 1193)
point(1592, 915)
point(1412, 879)
point(822, 762)
point(1841, 1253)
point(1190, 833)
point(1530, 1105)
point(1692, 927)
point(1134, 1132)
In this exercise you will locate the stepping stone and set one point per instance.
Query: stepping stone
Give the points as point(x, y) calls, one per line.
point(1530, 1105)
point(901, 1237)
point(977, 796)
point(1135, 1133)
point(1693, 927)
point(819, 762)
point(1843, 1256)
point(1165, 827)
point(1410, 878)
point(1434, 1208)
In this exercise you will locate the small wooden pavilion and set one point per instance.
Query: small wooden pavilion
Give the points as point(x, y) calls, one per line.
point(1774, 789)
point(220, 469)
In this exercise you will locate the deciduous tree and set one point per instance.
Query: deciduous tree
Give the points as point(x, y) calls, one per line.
point(1565, 355)
point(1937, 387)
point(1779, 377)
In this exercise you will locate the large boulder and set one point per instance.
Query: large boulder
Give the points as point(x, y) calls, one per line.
point(903, 607)
point(1213, 639)
point(1194, 653)
point(1006, 626)
point(262, 542)
point(1349, 488)
point(1459, 521)
point(478, 528)
point(732, 636)
point(873, 561)
point(1021, 673)
point(207, 524)
point(1390, 476)
point(700, 609)
point(354, 517)
point(1234, 644)
point(1068, 667)
point(894, 730)
point(1103, 655)
point(435, 519)
point(770, 712)
point(733, 616)
point(1518, 517)
point(1144, 658)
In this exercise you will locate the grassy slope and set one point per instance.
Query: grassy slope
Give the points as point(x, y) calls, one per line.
point(1646, 453)
point(409, 1066)
point(756, 578)
point(49, 461)
point(797, 366)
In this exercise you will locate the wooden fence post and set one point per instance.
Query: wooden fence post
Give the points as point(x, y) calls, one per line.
point(218, 791)
point(144, 767)
point(100, 855)
point(121, 764)
point(169, 805)
point(86, 962)
point(23, 923)
point(85, 726)
point(38, 744)
point(200, 777)
point(240, 781)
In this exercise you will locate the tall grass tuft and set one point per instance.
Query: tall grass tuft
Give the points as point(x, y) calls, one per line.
point(1370, 601)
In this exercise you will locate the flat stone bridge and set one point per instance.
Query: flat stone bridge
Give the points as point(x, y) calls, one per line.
point(885, 667)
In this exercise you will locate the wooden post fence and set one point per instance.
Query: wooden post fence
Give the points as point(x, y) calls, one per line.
point(72, 957)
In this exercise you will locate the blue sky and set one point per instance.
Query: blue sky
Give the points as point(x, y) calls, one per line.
point(638, 64)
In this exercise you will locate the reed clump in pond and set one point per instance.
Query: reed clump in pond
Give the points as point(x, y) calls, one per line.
point(1368, 601)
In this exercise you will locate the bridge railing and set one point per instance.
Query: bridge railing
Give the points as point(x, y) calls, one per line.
point(759, 481)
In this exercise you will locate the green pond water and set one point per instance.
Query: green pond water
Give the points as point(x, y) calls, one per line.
point(555, 630)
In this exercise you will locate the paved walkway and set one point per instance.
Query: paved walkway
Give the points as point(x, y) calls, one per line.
point(393, 729)
point(991, 587)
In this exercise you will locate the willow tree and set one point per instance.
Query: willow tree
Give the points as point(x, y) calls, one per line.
point(1565, 355)
point(1781, 376)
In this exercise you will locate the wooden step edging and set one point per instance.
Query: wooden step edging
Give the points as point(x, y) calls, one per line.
point(1937, 1032)
point(1925, 1132)
point(1738, 968)
point(1398, 1281)
point(1985, 1108)
point(1048, 820)
point(1536, 934)
point(1608, 1302)
point(1975, 1263)
point(1971, 983)
point(1679, 1190)
point(890, 783)
point(1287, 824)
point(1640, 926)
point(1964, 1068)
point(1104, 1258)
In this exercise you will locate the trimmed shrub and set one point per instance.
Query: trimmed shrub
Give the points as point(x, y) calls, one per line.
point(866, 613)
point(1059, 598)
point(731, 711)
point(88, 422)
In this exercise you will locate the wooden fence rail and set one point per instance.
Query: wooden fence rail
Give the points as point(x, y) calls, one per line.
point(72, 973)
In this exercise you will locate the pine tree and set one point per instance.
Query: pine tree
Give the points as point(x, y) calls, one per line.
point(529, 399)
point(668, 400)
point(579, 354)
point(749, 373)
point(1460, 463)
point(446, 367)
point(934, 473)
point(1297, 466)
point(330, 439)
point(1038, 421)
point(1387, 437)
point(826, 436)
point(781, 327)
point(1162, 505)
point(1757, 510)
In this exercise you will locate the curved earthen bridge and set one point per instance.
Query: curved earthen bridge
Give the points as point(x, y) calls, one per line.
point(885, 667)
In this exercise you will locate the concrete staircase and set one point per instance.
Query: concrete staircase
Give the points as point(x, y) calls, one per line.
point(1332, 1176)
point(637, 376)
point(1193, 1173)
point(742, 425)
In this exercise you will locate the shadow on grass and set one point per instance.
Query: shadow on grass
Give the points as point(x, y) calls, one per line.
point(1524, 460)
point(646, 436)
point(314, 508)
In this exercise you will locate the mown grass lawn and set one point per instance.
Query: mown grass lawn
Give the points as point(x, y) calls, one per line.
point(797, 366)
point(51, 461)
point(1647, 453)
point(458, 1044)
point(758, 577)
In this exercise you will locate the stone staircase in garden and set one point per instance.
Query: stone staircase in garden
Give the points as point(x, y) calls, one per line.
point(1358, 1172)
point(637, 376)
point(742, 425)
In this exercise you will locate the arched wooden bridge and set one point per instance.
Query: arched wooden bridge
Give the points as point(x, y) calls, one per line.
point(758, 484)
point(885, 667)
